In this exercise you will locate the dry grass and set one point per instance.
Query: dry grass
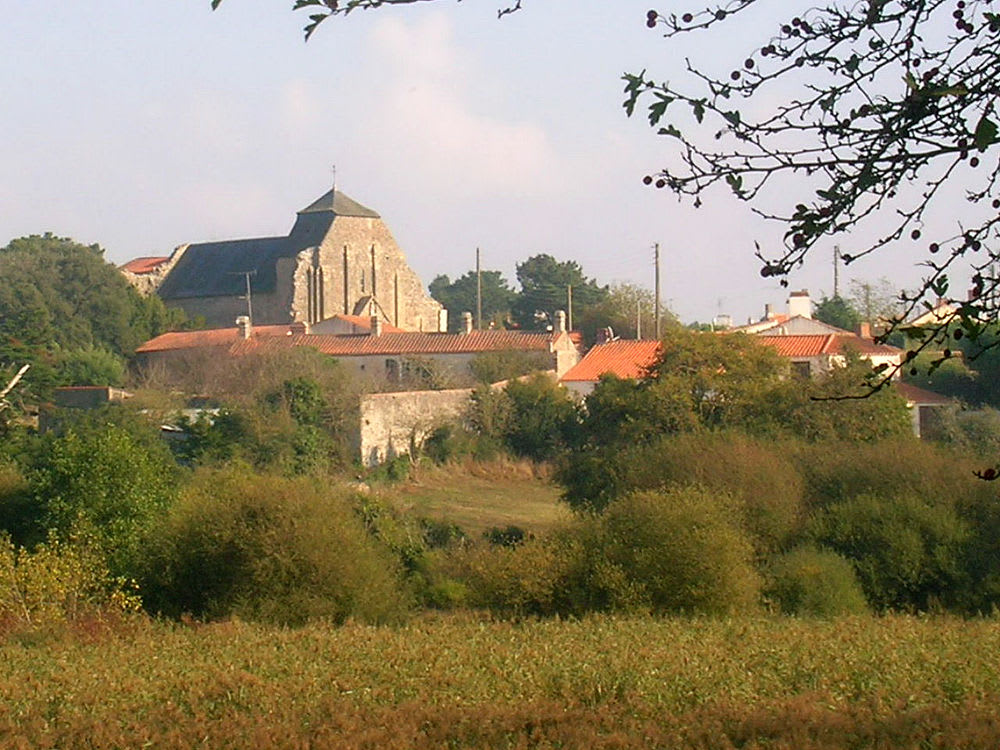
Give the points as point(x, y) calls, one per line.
point(455, 682)
point(480, 495)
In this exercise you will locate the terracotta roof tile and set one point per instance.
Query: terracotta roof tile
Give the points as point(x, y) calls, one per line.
point(362, 321)
point(814, 345)
point(626, 359)
point(145, 265)
point(916, 395)
point(394, 344)
point(177, 340)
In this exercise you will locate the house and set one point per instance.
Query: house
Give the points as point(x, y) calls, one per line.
point(816, 354)
point(338, 259)
point(925, 408)
point(378, 351)
point(625, 359)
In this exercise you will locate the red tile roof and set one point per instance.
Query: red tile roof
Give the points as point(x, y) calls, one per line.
point(145, 265)
point(407, 343)
point(815, 345)
point(389, 343)
point(626, 359)
point(915, 395)
point(364, 321)
point(177, 340)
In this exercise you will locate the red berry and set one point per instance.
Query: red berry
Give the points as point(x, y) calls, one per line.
point(915, 234)
point(647, 180)
point(687, 18)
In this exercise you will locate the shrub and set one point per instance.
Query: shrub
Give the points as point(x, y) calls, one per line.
point(815, 582)
point(508, 536)
point(57, 582)
point(907, 552)
point(269, 548)
point(685, 549)
point(544, 418)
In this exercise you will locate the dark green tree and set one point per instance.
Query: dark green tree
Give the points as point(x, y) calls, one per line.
point(59, 296)
point(459, 296)
point(545, 284)
point(837, 311)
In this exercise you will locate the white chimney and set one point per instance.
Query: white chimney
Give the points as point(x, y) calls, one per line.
point(560, 321)
point(376, 329)
point(244, 327)
point(466, 322)
point(800, 304)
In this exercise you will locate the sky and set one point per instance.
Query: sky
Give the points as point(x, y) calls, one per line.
point(144, 124)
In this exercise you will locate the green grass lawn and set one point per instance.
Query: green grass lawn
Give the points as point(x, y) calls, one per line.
point(478, 497)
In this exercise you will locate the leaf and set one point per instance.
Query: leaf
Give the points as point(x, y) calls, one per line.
point(986, 133)
point(656, 109)
point(670, 130)
point(735, 181)
point(732, 117)
point(698, 107)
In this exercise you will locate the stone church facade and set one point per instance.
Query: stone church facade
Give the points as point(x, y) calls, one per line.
point(339, 259)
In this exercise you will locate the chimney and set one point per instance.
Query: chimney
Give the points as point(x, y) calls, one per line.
point(768, 312)
point(466, 322)
point(376, 329)
point(298, 328)
point(604, 335)
point(865, 330)
point(560, 321)
point(243, 326)
point(799, 304)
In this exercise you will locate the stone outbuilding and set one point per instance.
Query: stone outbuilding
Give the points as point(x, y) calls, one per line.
point(339, 259)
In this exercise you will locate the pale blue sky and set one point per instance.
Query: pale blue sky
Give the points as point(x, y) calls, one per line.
point(144, 124)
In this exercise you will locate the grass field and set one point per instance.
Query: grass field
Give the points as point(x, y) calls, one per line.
point(457, 682)
point(480, 496)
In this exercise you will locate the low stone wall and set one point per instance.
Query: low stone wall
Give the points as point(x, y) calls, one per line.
point(393, 424)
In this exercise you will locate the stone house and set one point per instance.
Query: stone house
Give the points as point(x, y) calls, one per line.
point(339, 259)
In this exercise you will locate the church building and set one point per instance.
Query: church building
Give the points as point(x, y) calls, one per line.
point(339, 259)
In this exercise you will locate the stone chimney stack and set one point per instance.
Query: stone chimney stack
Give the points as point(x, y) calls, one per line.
point(560, 321)
point(376, 329)
point(466, 322)
point(244, 327)
point(800, 304)
point(865, 330)
point(298, 328)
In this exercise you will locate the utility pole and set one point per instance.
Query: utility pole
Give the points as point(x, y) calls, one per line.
point(569, 307)
point(836, 271)
point(638, 319)
point(479, 294)
point(656, 301)
point(246, 275)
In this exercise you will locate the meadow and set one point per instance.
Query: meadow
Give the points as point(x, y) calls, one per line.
point(463, 681)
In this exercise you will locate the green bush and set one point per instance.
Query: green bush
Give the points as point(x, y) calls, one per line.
point(544, 418)
point(272, 549)
point(815, 582)
point(685, 549)
point(908, 553)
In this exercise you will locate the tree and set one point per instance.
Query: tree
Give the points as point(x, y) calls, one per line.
point(545, 284)
point(58, 297)
point(624, 309)
point(884, 117)
point(460, 296)
point(837, 311)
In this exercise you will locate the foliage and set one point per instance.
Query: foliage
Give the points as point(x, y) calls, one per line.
point(459, 296)
point(685, 551)
point(544, 288)
point(58, 582)
point(108, 475)
point(59, 297)
point(543, 418)
point(816, 583)
point(494, 367)
point(625, 309)
point(838, 312)
point(270, 549)
point(907, 551)
point(90, 366)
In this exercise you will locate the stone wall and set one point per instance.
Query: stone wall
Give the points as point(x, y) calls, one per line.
point(393, 424)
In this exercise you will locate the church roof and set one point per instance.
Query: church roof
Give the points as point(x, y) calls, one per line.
point(215, 269)
point(340, 205)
